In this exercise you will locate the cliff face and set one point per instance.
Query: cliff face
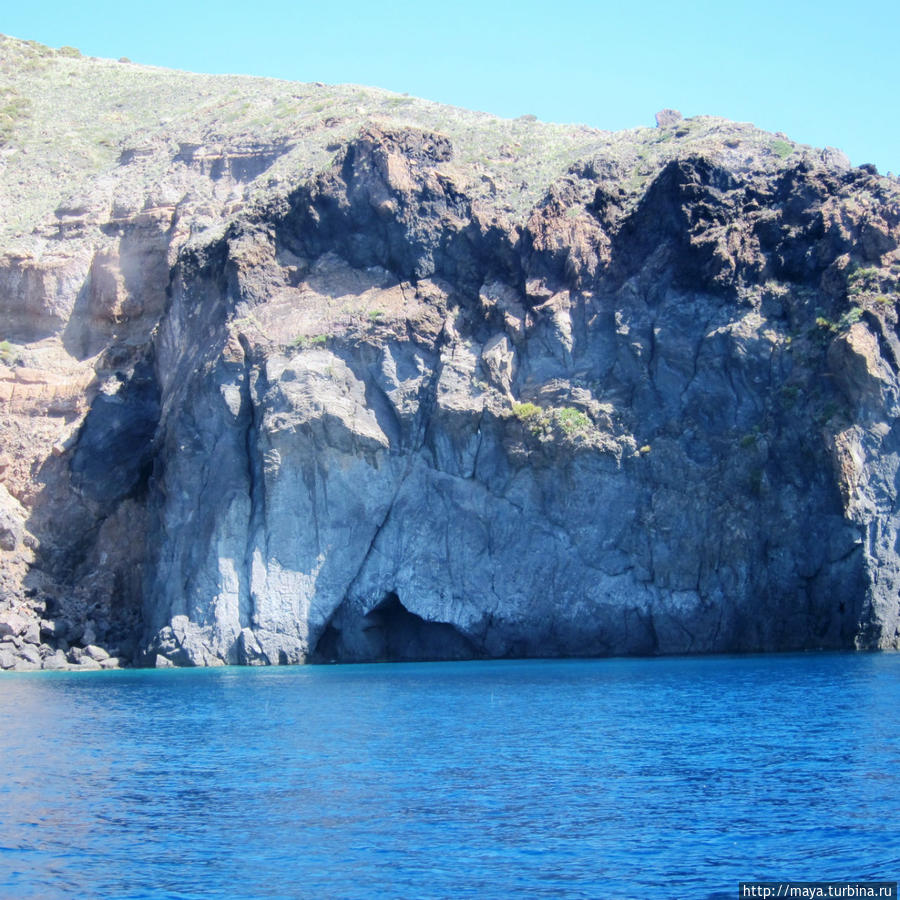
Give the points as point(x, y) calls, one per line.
point(423, 393)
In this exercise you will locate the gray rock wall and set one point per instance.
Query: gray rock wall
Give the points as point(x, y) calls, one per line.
point(668, 430)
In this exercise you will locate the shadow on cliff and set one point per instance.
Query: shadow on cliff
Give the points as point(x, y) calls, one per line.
point(389, 633)
point(385, 203)
point(89, 518)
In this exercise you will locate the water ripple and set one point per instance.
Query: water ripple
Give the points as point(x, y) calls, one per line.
point(604, 778)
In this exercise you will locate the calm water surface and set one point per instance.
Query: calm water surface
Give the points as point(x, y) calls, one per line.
point(602, 778)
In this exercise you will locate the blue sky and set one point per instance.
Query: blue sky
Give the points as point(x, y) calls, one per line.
point(825, 73)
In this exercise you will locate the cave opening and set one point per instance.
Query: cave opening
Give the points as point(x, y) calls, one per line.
point(389, 633)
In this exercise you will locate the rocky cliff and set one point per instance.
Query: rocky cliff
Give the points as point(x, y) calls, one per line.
point(306, 373)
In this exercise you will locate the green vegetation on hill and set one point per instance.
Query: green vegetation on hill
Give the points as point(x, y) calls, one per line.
point(67, 122)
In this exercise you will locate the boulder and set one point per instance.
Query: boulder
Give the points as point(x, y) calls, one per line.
point(55, 662)
point(666, 118)
point(31, 654)
point(55, 629)
point(95, 652)
point(12, 624)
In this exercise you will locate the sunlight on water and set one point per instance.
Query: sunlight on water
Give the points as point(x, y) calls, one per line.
point(601, 778)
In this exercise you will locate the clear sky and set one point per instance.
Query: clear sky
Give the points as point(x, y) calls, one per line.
point(825, 73)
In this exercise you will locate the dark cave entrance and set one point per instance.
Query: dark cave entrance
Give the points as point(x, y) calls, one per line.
point(389, 633)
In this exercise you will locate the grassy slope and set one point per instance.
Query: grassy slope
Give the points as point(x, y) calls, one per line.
point(65, 121)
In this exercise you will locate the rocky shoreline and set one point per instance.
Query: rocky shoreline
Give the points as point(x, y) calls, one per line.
point(29, 642)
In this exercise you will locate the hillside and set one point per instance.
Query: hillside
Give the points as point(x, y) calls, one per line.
point(297, 372)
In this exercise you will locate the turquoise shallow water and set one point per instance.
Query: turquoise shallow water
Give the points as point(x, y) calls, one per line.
point(602, 778)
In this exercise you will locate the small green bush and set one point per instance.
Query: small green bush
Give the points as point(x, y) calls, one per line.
point(525, 411)
point(9, 355)
point(862, 279)
point(310, 340)
point(782, 149)
point(571, 420)
point(851, 317)
point(865, 283)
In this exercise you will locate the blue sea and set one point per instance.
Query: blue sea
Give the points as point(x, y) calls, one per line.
point(615, 778)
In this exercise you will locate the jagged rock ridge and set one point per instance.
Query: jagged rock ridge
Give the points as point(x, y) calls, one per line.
point(381, 406)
